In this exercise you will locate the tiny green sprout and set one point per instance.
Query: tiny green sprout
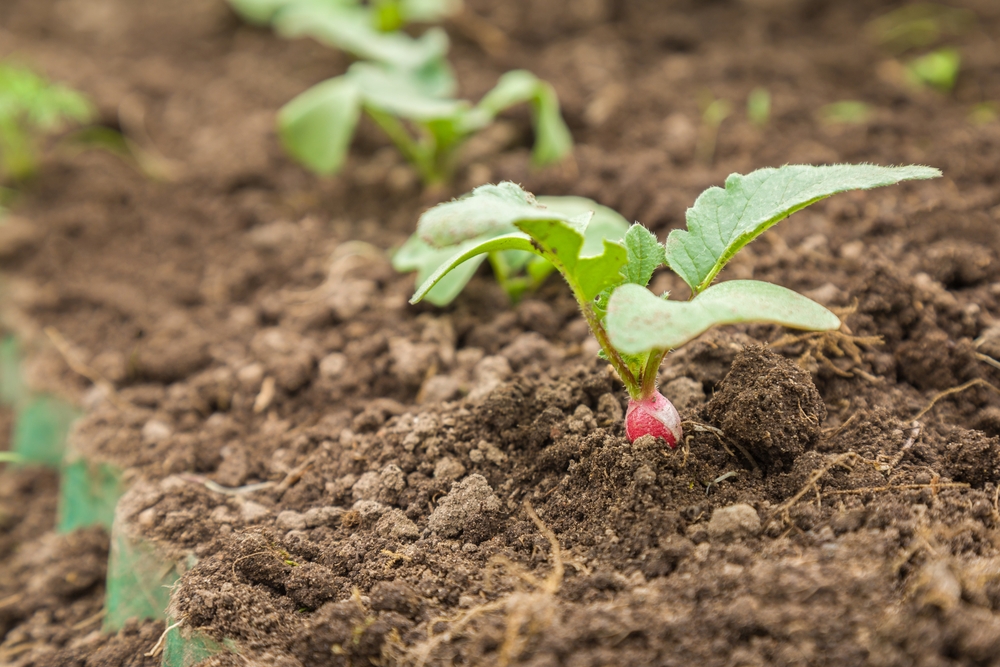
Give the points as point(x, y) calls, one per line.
point(713, 113)
point(759, 106)
point(30, 108)
point(845, 112)
point(937, 69)
point(634, 327)
point(426, 124)
point(984, 113)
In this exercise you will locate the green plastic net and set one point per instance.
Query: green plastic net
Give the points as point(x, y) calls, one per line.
point(184, 647)
point(140, 578)
point(40, 430)
point(88, 494)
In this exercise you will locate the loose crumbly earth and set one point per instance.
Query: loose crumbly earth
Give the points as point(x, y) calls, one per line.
point(453, 486)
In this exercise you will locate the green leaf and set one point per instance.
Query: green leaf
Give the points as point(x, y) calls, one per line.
point(645, 255)
point(492, 210)
point(506, 242)
point(487, 210)
point(553, 140)
point(639, 321)
point(415, 255)
point(258, 12)
point(721, 221)
point(606, 223)
point(350, 28)
point(316, 127)
point(561, 242)
point(402, 93)
point(429, 11)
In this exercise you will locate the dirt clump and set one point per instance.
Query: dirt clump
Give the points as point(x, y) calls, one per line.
point(769, 406)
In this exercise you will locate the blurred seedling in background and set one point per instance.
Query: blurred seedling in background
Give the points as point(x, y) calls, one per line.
point(421, 118)
point(382, 15)
point(920, 27)
point(403, 83)
point(846, 112)
point(32, 108)
point(759, 106)
point(366, 31)
point(713, 113)
point(634, 327)
point(984, 113)
point(937, 69)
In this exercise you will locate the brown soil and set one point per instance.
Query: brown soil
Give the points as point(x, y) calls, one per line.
point(454, 487)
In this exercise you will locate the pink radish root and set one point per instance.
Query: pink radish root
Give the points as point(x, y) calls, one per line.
point(654, 416)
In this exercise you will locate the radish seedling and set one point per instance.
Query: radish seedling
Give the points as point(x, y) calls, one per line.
point(634, 327)
point(316, 127)
point(30, 108)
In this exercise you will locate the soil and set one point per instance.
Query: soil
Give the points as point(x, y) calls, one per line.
point(362, 481)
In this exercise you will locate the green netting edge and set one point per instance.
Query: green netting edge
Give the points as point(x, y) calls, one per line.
point(41, 421)
point(184, 647)
point(40, 430)
point(88, 494)
point(140, 579)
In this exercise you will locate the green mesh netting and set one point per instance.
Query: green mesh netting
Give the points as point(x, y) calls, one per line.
point(40, 429)
point(140, 577)
point(11, 385)
point(88, 493)
point(185, 647)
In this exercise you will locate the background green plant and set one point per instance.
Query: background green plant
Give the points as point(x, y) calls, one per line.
point(31, 107)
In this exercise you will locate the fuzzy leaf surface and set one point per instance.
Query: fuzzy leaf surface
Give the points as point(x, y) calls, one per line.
point(645, 255)
point(317, 126)
point(639, 321)
point(489, 209)
point(493, 210)
point(722, 221)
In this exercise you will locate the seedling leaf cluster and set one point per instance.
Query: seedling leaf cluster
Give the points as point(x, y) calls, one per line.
point(609, 278)
point(417, 113)
point(32, 107)
point(403, 83)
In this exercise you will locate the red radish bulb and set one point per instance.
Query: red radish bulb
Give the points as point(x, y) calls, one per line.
point(654, 416)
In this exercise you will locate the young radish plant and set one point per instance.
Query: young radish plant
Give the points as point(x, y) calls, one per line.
point(634, 327)
point(317, 126)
